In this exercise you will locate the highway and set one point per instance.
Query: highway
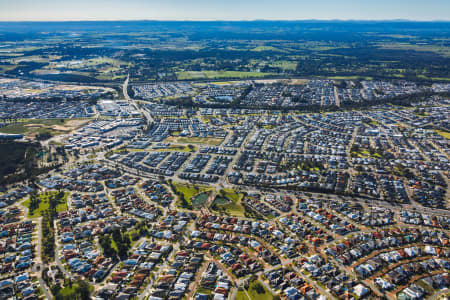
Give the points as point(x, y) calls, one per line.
point(128, 98)
point(125, 88)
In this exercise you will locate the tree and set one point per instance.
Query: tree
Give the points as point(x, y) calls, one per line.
point(55, 291)
point(126, 239)
point(135, 236)
point(83, 290)
point(105, 243)
point(117, 237)
point(184, 203)
point(123, 250)
point(354, 148)
point(259, 288)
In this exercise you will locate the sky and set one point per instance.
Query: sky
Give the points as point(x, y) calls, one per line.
point(62, 10)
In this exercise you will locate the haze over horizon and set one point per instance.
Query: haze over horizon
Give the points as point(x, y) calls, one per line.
point(232, 10)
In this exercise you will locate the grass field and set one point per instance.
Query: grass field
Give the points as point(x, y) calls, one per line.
point(126, 150)
point(234, 206)
point(365, 154)
point(349, 78)
point(44, 204)
point(361, 153)
point(219, 74)
point(190, 190)
point(67, 291)
point(207, 119)
point(204, 291)
point(129, 233)
point(221, 200)
point(179, 148)
point(222, 83)
point(269, 126)
point(433, 78)
point(284, 65)
point(71, 292)
point(199, 199)
point(298, 81)
point(195, 140)
point(442, 50)
point(443, 133)
point(40, 126)
point(241, 295)
point(267, 48)
point(4, 68)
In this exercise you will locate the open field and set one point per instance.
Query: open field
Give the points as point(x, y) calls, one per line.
point(349, 77)
point(434, 78)
point(178, 148)
point(443, 133)
point(71, 291)
point(200, 199)
point(190, 190)
point(241, 295)
point(442, 50)
point(254, 295)
point(298, 81)
point(195, 140)
point(44, 204)
point(105, 68)
point(267, 48)
point(4, 68)
point(284, 65)
point(229, 201)
point(219, 74)
point(301, 48)
point(40, 126)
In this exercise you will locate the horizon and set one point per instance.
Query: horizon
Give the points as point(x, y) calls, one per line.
point(233, 10)
point(227, 20)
